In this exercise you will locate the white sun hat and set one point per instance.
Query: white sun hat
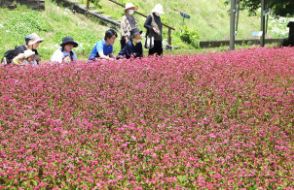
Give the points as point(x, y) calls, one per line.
point(130, 6)
point(158, 9)
point(28, 53)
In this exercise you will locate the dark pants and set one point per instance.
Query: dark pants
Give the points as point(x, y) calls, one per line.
point(157, 49)
point(123, 42)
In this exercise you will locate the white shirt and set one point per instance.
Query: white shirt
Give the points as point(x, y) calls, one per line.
point(59, 55)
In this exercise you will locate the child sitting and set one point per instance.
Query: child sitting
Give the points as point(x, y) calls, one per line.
point(26, 58)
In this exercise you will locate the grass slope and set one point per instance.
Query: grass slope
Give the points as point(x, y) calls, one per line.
point(52, 24)
point(209, 17)
point(55, 23)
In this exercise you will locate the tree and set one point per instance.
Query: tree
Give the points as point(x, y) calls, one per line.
point(278, 7)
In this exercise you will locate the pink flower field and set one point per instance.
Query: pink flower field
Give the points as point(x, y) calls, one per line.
point(210, 121)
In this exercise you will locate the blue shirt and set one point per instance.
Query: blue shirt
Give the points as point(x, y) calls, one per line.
point(101, 46)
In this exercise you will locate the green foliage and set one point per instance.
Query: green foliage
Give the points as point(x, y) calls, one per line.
point(27, 22)
point(190, 36)
point(55, 22)
point(210, 20)
point(278, 7)
point(96, 3)
point(16, 24)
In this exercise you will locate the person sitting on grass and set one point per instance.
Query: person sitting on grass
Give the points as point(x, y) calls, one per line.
point(133, 47)
point(65, 53)
point(104, 48)
point(26, 58)
point(32, 42)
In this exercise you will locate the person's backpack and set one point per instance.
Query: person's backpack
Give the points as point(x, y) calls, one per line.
point(149, 39)
point(10, 54)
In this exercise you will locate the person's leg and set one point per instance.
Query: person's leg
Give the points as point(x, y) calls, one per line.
point(157, 49)
point(152, 51)
point(160, 49)
point(122, 42)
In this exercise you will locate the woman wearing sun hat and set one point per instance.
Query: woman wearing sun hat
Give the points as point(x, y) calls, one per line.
point(128, 23)
point(65, 53)
point(153, 25)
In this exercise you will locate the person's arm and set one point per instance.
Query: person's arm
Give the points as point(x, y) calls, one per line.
point(124, 52)
point(102, 56)
point(99, 48)
point(124, 26)
point(149, 27)
point(18, 59)
point(148, 23)
point(57, 57)
point(121, 54)
point(37, 56)
point(111, 55)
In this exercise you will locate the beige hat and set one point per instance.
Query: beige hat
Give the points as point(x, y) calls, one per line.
point(158, 9)
point(130, 6)
point(28, 53)
point(33, 39)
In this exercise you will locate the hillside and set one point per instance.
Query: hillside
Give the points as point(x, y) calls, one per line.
point(56, 22)
point(52, 25)
point(210, 27)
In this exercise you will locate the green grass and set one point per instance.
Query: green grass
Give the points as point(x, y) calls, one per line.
point(209, 17)
point(52, 24)
point(211, 20)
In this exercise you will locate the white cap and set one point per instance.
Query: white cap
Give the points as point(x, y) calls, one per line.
point(130, 6)
point(158, 9)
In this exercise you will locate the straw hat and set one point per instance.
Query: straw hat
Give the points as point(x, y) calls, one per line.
point(129, 6)
point(33, 39)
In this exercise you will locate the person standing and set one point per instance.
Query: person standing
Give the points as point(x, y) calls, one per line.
point(153, 25)
point(128, 23)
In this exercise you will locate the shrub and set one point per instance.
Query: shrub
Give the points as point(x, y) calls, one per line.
point(217, 121)
point(190, 36)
